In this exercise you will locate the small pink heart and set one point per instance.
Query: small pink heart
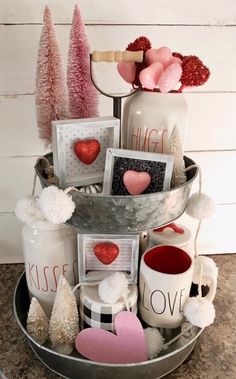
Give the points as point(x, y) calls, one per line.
point(136, 182)
point(127, 71)
point(170, 77)
point(149, 76)
point(163, 55)
point(126, 346)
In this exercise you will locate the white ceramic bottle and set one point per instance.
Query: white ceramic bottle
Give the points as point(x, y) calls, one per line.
point(49, 250)
point(149, 118)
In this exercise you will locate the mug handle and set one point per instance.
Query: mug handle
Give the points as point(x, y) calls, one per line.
point(212, 289)
point(209, 271)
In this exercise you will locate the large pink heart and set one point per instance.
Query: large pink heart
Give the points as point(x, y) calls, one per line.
point(150, 75)
point(136, 182)
point(127, 71)
point(163, 55)
point(126, 346)
point(170, 77)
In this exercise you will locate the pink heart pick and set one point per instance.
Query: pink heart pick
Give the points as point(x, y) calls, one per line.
point(163, 55)
point(170, 77)
point(149, 76)
point(126, 346)
point(136, 182)
point(127, 71)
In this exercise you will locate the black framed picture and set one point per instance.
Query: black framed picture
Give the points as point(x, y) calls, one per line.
point(129, 172)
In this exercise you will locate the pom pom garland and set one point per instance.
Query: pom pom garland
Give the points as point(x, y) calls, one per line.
point(209, 270)
point(27, 210)
point(199, 311)
point(57, 206)
point(200, 206)
point(113, 288)
point(154, 342)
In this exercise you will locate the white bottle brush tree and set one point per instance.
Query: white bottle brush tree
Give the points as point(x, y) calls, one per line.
point(64, 322)
point(37, 322)
point(175, 148)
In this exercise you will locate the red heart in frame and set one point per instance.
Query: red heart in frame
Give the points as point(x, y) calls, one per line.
point(87, 150)
point(106, 252)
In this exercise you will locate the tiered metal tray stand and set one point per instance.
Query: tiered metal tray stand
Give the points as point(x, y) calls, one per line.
point(96, 213)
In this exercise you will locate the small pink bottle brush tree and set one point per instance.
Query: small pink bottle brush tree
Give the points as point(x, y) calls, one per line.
point(51, 93)
point(162, 70)
point(83, 97)
point(55, 100)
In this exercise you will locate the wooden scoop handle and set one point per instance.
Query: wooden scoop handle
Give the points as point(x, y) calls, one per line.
point(117, 56)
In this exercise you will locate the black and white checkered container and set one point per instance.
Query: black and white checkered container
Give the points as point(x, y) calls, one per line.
point(94, 313)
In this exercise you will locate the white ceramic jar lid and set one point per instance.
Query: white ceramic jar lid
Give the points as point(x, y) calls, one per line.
point(171, 234)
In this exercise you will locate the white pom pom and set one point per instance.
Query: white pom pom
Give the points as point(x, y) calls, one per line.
point(56, 205)
point(154, 342)
point(113, 288)
point(200, 206)
point(209, 270)
point(199, 311)
point(27, 210)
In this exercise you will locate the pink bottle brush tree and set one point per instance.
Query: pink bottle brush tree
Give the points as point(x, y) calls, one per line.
point(51, 94)
point(83, 97)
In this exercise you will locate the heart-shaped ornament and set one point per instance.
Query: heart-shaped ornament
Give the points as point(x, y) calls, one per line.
point(87, 150)
point(136, 182)
point(163, 55)
point(126, 346)
point(149, 77)
point(170, 77)
point(127, 71)
point(106, 252)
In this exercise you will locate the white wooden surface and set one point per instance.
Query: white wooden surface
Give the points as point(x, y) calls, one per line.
point(214, 45)
point(207, 29)
point(212, 12)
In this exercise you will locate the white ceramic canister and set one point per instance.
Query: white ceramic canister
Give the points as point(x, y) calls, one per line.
point(49, 251)
point(95, 313)
point(149, 118)
point(172, 235)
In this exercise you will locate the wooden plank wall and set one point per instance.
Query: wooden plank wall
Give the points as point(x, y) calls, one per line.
point(207, 29)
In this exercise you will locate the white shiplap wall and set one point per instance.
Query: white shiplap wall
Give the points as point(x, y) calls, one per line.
point(207, 29)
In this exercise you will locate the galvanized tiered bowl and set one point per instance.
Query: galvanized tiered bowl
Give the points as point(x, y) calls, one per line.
point(97, 213)
point(76, 367)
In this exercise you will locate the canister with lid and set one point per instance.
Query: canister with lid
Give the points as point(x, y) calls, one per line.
point(171, 234)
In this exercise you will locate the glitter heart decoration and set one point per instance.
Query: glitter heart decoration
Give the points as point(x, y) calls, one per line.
point(87, 150)
point(106, 252)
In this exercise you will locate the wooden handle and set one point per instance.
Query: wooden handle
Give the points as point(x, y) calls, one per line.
point(117, 56)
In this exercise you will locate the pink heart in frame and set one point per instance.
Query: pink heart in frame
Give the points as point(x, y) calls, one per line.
point(136, 182)
point(126, 346)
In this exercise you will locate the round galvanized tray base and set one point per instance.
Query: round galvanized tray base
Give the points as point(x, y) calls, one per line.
point(74, 367)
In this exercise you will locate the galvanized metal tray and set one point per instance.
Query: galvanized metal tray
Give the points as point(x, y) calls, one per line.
point(97, 213)
point(74, 366)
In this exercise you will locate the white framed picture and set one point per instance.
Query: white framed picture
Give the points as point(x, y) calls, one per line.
point(99, 255)
point(129, 172)
point(79, 149)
